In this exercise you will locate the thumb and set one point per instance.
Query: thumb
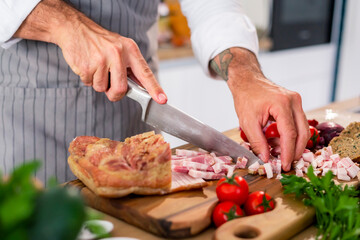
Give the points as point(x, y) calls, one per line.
point(258, 142)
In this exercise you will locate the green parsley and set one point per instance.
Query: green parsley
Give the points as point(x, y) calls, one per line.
point(27, 212)
point(337, 208)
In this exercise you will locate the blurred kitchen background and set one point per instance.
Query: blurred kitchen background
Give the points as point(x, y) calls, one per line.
point(308, 46)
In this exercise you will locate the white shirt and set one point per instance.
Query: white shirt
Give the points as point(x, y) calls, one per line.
point(215, 25)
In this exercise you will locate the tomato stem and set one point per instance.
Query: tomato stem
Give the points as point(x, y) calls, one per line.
point(266, 203)
point(231, 214)
point(230, 180)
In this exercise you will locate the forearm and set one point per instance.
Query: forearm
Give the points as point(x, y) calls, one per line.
point(47, 19)
point(236, 66)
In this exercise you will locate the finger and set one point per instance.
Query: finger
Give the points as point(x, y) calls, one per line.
point(144, 74)
point(118, 80)
point(257, 140)
point(302, 126)
point(288, 134)
point(100, 79)
point(86, 78)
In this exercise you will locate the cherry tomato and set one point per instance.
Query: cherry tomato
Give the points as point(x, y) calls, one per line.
point(243, 136)
point(313, 122)
point(314, 139)
point(233, 189)
point(226, 211)
point(272, 131)
point(258, 202)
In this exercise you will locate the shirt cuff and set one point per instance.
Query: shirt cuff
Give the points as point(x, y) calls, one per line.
point(12, 14)
point(220, 33)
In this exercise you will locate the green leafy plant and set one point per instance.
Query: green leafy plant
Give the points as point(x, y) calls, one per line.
point(28, 212)
point(337, 207)
point(98, 230)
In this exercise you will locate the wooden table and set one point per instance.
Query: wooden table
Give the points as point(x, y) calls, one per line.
point(340, 112)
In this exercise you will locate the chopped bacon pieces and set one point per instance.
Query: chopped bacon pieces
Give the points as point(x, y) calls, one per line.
point(202, 164)
point(322, 161)
point(241, 162)
point(268, 170)
point(325, 160)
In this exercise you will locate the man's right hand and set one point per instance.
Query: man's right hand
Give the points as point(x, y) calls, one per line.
point(91, 51)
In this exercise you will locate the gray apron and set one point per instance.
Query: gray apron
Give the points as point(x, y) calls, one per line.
point(44, 105)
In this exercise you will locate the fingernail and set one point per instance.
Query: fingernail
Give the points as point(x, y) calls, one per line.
point(162, 97)
point(261, 157)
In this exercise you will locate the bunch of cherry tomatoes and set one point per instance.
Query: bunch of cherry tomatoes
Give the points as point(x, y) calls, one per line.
point(235, 200)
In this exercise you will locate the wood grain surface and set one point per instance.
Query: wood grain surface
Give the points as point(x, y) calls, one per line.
point(184, 214)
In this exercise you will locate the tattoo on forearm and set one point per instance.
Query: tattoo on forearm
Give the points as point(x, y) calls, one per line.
point(222, 67)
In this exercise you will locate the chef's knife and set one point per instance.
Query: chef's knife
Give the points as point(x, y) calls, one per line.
point(175, 122)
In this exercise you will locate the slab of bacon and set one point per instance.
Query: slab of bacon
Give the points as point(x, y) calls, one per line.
point(323, 160)
point(205, 165)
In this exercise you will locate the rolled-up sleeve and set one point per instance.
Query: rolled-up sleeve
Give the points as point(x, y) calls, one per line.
point(12, 14)
point(217, 25)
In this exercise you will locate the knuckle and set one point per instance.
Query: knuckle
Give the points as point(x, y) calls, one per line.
point(131, 45)
point(117, 92)
point(117, 49)
point(85, 67)
point(115, 97)
point(284, 101)
point(85, 79)
point(99, 88)
point(297, 97)
point(121, 90)
point(101, 61)
point(147, 72)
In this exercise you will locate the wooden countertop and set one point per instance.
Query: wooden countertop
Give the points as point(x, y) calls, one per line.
point(341, 112)
point(170, 52)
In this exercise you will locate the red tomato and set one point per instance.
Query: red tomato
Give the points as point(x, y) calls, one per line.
point(258, 202)
point(314, 139)
point(313, 122)
point(226, 211)
point(233, 189)
point(272, 131)
point(243, 136)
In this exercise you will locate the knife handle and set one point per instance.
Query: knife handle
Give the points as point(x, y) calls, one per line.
point(140, 95)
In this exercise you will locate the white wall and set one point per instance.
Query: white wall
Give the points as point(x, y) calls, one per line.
point(306, 70)
point(349, 77)
point(258, 11)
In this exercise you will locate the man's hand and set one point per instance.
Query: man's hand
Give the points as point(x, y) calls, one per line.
point(258, 100)
point(91, 51)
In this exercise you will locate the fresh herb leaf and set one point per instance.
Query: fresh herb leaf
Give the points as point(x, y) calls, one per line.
point(337, 208)
point(27, 213)
point(98, 230)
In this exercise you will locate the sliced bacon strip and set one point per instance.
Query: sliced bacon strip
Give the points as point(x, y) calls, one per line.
point(180, 169)
point(187, 153)
point(205, 159)
point(205, 175)
point(183, 181)
point(224, 159)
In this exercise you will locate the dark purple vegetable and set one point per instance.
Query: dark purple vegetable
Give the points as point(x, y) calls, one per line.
point(329, 130)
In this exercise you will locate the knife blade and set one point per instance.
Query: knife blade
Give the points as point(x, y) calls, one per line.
point(177, 123)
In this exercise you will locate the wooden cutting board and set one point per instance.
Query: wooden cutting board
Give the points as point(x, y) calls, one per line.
point(187, 213)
